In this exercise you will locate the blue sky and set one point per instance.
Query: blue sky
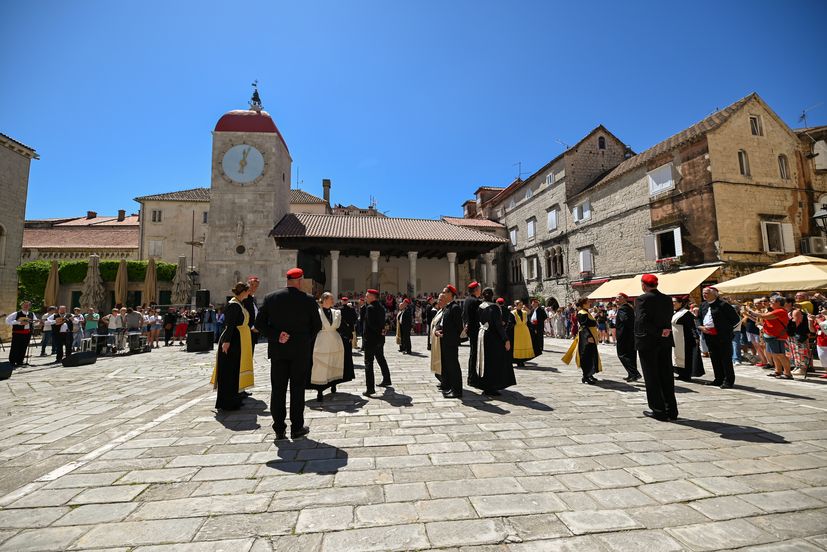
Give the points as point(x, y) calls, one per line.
point(414, 103)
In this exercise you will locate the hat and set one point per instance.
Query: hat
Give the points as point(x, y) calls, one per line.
point(373, 291)
point(451, 288)
point(621, 294)
point(713, 288)
point(407, 301)
point(345, 299)
point(500, 301)
point(473, 285)
point(295, 274)
point(649, 279)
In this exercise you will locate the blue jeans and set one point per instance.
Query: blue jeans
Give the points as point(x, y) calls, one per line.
point(209, 327)
point(736, 347)
point(45, 341)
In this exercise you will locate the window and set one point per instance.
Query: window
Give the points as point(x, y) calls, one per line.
point(783, 167)
point(513, 235)
point(156, 248)
point(532, 228)
point(559, 266)
point(778, 237)
point(551, 219)
point(660, 179)
point(669, 244)
point(549, 179)
point(156, 215)
point(601, 143)
point(516, 270)
point(204, 217)
point(743, 162)
point(582, 212)
point(529, 192)
point(586, 260)
point(755, 125)
point(532, 263)
point(554, 262)
point(549, 259)
point(511, 204)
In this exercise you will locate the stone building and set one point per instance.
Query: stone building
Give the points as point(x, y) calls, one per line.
point(15, 159)
point(110, 237)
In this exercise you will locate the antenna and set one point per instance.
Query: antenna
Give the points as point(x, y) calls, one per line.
point(519, 165)
point(803, 117)
point(565, 145)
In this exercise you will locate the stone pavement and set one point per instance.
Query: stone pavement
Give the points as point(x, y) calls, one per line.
point(128, 454)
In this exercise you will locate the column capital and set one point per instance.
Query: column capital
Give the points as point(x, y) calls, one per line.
point(489, 257)
point(452, 257)
point(374, 255)
point(413, 254)
point(334, 255)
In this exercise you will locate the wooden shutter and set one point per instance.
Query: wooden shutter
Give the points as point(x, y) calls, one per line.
point(764, 236)
point(788, 237)
point(587, 210)
point(649, 250)
point(678, 242)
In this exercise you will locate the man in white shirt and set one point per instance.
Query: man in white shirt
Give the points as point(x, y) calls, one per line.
point(46, 336)
point(21, 323)
point(62, 332)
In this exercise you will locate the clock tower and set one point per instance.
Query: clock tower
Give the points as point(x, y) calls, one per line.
point(249, 194)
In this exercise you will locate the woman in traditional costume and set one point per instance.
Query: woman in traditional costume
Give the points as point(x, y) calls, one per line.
point(507, 321)
point(493, 372)
point(584, 346)
point(328, 350)
point(686, 351)
point(523, 346)
point(233, 370)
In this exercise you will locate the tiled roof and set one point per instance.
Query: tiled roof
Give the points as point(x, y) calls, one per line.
point(82, 237)
point(131, 220)
point(20, 145)
point(473, 222)
point(810, 129)
point(195, 194)
point(376, 228)
point(300, 196)
point(685, 136)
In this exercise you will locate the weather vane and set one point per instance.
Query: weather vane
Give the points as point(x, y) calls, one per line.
point(255, 102)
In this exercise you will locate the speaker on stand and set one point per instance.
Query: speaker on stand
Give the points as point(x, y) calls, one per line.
point(202, 298)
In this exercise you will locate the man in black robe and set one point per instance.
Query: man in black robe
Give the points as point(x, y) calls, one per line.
point(625, 332)
point(537, 325)
point(507, 320)
point(472, 327)
point(373, 342)
point(405, 326)
point(494, 373)
point(449, 331)
point(290, 319)
point(346, 328)
point(653, 326)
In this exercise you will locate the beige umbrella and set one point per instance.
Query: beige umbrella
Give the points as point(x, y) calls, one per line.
point(800, 273)
point(181, 283)
point(92, 292)
point(52, 286)
point(121, 283)
point(151, 283)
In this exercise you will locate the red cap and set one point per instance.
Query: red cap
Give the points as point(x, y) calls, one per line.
point(500, 301)
point(473, 285)
point(295, 274)
point(408, 301)
point(649, 279)
point(373, 291)
point(451, 288)
point(345, 299)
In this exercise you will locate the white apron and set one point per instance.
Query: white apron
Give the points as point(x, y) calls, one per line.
point(328, 351)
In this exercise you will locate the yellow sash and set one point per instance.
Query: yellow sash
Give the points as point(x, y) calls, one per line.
point(574, 350)
point(245, 377)
point(436, 348)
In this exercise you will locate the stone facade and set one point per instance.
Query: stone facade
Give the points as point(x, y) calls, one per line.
point(15, 159)
point(165, 237)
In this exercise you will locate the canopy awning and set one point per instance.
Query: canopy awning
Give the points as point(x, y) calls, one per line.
point(800, 273)
point(683, 282)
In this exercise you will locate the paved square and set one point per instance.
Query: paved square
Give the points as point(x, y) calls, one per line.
point(128, 454)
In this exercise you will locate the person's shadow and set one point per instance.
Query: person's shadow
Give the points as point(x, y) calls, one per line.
point(338, 402)
point(308, 456)
point(245, 418)
point(734, 432)
point(481, 403)
point(390, 396)
point(518, 399)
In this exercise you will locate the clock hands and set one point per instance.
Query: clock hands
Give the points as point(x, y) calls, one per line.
point(243, 163)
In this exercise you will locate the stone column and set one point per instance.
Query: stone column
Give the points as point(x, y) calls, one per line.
point(490, 274)
point(472, 265)
point(374, 269)
point(334, 274)
point(412, 273)
point(452, 268)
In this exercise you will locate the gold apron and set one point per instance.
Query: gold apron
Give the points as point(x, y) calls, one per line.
point(574, 350)
point(245, 377)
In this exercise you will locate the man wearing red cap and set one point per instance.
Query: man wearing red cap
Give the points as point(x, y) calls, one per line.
point(449, 330)
point(625, 337)
point(404, 323)
point(373, 342)
point(290, 320)
point(471, 321)
point(653, 325)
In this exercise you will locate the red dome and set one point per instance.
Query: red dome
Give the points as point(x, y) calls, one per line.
point(247, 120)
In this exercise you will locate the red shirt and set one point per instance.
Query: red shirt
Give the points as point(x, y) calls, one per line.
point(777, 327)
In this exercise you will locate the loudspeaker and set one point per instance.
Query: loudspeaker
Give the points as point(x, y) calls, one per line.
point(202, 298)
point(80, 359)
point(5, 370)
point(199, 341)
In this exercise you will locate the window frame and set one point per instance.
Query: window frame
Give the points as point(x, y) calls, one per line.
point(205, 217)
point(743, 163)
point(678, 241)
point(655, 186)
point(150, 248)
point(513, 235)
point(785, 233)
point(783, 167)
point(583, 212)
point(589, 255)
point(601, 143)
point(529, 193)
point(157, 215)
point(556, 211)
point(758, 128)
point(531, 228)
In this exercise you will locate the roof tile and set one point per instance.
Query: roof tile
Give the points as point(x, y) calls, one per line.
point(82, 237)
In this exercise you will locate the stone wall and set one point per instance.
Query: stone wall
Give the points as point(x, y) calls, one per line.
point(174, 230)
point(14, 185)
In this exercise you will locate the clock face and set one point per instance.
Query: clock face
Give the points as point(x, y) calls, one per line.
point(242, 163)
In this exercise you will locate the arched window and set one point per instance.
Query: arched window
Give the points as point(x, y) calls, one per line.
point(2, 245)
point(560, 269)
point(549, 268)
point(601, 143)
point(783, 167)
point(743, 163)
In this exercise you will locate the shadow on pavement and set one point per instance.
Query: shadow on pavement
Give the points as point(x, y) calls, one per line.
point(390, 396)
point(308, 456)
point(338, 402)
point(733, 432)
point(518, 399)
point(245, 418)
point(773, 393)
point(481, 402)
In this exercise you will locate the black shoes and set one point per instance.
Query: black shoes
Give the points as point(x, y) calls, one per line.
point(632, 379)
point(726, 385)
point(384, 383)
point(369, 392)
point(590, 380)
point(281, 436)
point(298, 434)
point(319, 396)
point(658, 417)
point(491, 393)
point(715, 383)
point(453, 395)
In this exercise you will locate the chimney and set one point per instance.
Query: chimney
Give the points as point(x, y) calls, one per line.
point(121, 215)
point(326, 189)
point(91, 214)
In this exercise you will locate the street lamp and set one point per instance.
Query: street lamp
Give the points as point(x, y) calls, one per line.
point(820, 218)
